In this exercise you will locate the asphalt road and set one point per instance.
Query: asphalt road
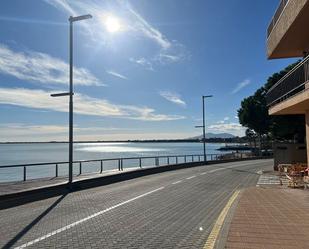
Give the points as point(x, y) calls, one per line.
point(175, 209)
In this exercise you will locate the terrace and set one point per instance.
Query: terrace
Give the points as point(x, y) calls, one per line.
point(286, 89)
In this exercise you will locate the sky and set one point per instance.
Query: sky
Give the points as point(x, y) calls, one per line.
point(140, 67)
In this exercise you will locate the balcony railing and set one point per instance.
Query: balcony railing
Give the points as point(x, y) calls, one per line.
point(276, 16)
point(291, 84)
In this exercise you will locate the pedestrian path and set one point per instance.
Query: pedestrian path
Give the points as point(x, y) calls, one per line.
point(16, 187)
point(270, 218)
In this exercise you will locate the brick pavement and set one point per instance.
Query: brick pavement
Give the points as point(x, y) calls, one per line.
point(170, 218)
point(270, 217)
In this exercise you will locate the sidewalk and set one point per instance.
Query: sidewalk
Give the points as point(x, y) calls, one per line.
point(16, 187)
point(270, 217)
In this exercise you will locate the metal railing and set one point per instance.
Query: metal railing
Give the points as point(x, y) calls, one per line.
point(291, 84)
point(138, 162)
point(276, 16)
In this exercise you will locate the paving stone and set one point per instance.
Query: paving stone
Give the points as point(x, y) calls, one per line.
point(270, 218)
point(169, 218)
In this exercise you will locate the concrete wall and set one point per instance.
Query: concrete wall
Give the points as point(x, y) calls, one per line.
point(289, 153)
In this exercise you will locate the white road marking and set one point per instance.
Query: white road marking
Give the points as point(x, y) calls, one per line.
point(191, 177)
point(85, 219)
point(117, 205)
point(215, 170)
point(177, 182)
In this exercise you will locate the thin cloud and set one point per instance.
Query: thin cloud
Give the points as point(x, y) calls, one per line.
point(241, 85)
point(42, 68)
point(173, 97)
point(169, 51)
point(133, 20)
point(21, 129)
point(85, 105)
point(143, 62)
point(117, 74)
point(148, 30)
point(233, 128)
point(39, 132)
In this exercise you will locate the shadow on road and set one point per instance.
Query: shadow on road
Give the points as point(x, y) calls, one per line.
point(33, 223)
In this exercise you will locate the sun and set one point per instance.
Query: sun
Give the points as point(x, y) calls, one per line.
point(112, 24)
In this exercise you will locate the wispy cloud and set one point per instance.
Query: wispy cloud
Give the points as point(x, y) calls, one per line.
point(169, 51)
point(223, 121)
point(111, 72)
point(40, 99)
point(173, 97)
point(21, 129)
point(147, 29)
point(143, 62)
point(41, 132)
point(42, 68)
point(233, 128)
point(241, 85)
point(31, 21)
point(133, 20)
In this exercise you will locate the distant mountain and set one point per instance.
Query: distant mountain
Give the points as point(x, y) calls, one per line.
point(215, 135)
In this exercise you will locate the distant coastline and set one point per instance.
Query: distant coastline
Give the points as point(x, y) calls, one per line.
point(209, 140)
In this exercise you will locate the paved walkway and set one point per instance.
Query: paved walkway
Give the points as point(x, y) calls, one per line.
point(20, 186)
point(270, 217)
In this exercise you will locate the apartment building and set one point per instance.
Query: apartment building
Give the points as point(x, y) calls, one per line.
point(287, 37)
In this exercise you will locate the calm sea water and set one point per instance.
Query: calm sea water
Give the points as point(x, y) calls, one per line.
point(11, 154)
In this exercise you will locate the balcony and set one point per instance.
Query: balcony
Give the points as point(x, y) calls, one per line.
point(289, 95)
point(276, 16)
point(287, 34)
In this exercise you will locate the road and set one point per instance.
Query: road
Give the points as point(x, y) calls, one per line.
point(175, 209)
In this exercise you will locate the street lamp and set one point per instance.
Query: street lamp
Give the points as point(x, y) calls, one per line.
point(70, 93)
point(204, 125)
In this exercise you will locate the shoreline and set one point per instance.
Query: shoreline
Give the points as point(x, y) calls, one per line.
point(129, 141)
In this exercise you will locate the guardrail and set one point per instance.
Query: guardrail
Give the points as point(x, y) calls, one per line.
point(276, 16)
point(120, 163)
point(292, 83)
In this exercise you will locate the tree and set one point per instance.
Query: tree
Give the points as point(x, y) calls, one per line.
point(253, 114)
point(251, 136)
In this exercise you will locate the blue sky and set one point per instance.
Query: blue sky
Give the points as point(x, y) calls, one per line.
point(143, 81)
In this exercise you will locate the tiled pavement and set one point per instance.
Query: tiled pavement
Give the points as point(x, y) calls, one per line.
point(274, 218)
point(172, 217)
point(20, 186)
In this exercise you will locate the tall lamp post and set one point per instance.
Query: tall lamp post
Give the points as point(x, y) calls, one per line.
point(71, 93)
point(204, 126)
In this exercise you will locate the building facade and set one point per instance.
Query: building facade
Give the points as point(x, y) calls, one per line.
point(287, 37)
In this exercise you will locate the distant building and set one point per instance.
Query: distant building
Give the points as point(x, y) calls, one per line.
point(287, 37)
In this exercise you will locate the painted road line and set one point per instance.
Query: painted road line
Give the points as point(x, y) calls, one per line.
point(85, 219)
point(203, 173)
point(191, 177)
point(215, 170)
point(210, 243)
point(177, 182)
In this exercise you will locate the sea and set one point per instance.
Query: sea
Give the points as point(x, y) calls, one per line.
point(28, 153)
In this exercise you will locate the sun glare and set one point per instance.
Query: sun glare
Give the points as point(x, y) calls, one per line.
point(112, 24)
